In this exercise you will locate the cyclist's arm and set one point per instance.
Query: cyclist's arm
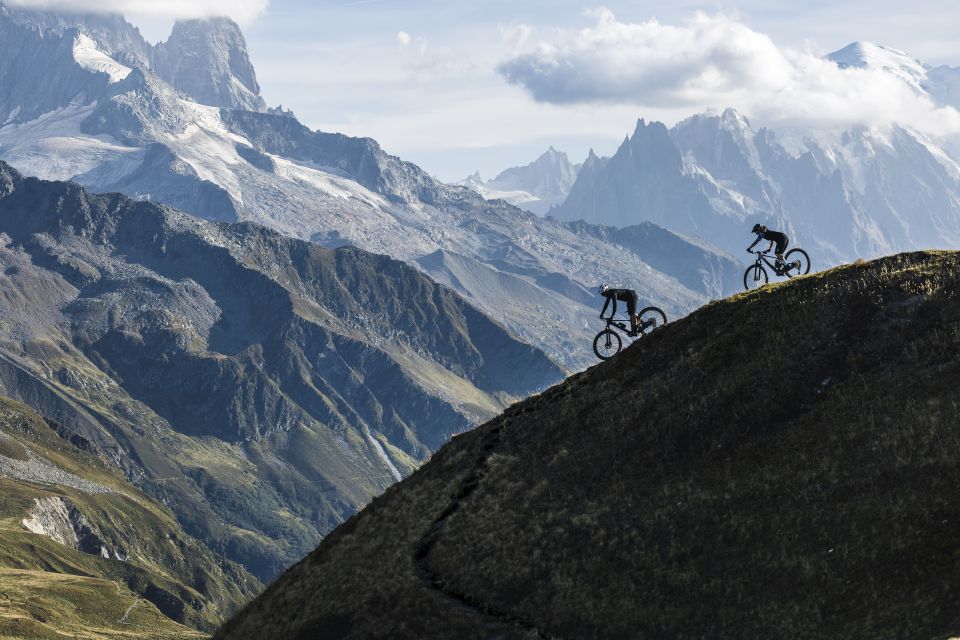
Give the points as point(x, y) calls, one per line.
point(770, 248)
point(750, 248)
point(605, 305)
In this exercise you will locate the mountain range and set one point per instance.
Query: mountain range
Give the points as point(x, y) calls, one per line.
point(137, 119)
point(691, 487)
point(845, 194)
point(252, 370)
point(257, 327)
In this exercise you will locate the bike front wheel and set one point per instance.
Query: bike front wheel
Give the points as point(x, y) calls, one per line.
point(607, 344)
point(650, 319)
point(797, 263)
point(755, 277)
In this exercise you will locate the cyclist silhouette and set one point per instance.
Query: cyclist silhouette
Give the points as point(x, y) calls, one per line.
point(777, 238)
point(625, 295)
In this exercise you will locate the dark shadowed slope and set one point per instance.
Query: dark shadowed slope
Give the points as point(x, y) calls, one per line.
point(782, 464)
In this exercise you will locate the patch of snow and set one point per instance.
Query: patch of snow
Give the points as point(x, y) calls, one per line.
point(53, 147)
point(88, 56)
point(328, 183)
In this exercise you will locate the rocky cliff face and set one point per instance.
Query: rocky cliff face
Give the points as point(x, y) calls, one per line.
point(666, 493)
point(263, 387)
point(207, 59)
point(55, 58)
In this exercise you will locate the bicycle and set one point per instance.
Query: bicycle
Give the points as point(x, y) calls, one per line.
point(796, 262)
point(608, 342)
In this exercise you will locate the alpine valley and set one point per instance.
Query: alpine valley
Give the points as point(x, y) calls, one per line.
point(246, 373)
point(223, 334)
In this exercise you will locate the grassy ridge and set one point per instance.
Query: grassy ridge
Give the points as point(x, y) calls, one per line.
point(779, 464)
point(42, 605)
point(167, 577)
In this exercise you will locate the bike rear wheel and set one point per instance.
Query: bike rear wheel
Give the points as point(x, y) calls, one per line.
point(797, 263)
point(650, 319)
point(755, 277)
point(607, 344)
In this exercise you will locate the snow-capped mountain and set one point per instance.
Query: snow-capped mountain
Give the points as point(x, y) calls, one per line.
point(859, 192)
point(52, 60)
point(121, 126)
point(535, 187)
point(942, 83)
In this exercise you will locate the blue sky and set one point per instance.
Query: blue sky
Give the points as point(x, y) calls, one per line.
point(421, 76)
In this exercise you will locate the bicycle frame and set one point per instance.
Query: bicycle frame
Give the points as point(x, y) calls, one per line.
point(617, 324)
point(762, 257)
point(622, 326)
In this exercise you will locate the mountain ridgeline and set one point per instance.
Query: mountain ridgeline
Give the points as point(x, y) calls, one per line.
point(778, 464)
point(864, 193)
point(86, 99)
point(263, 388)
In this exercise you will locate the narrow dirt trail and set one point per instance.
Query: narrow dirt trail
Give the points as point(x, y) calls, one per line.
point(499, 624)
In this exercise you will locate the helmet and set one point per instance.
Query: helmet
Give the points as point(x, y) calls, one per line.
point(759, 228)
point(603, 288)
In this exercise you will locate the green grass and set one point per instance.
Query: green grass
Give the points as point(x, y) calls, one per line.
point(780, 464)
point(46, 582)
point(46, 605)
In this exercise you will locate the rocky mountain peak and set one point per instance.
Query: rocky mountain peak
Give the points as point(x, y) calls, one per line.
point(547, 178)
point(867, 55)
point(207, 59)
point(113, 35)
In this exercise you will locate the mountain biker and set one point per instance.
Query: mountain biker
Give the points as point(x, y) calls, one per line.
point(775, 237)
point(626, 295)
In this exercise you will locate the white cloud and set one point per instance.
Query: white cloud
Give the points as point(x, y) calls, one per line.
point(715, 62)
point(243, 11)
point(404, 39)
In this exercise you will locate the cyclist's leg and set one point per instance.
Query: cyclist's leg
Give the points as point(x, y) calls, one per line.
point(781, 249)
point(632, 303)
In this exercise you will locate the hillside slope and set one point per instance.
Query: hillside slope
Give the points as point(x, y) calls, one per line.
point(264, 388)
point(85, 554)
point(779, 464)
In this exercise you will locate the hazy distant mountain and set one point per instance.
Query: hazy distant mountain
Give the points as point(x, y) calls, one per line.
point(536, 187)
point(263, 388)
point(860, 192)
point(941, 83)
point(126, 128)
